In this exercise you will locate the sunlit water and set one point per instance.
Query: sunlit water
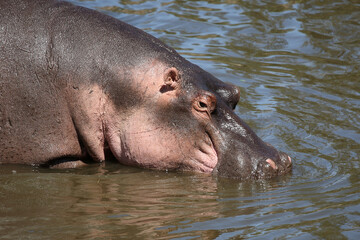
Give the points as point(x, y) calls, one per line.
point(297, 64)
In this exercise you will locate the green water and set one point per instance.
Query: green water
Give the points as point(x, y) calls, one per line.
point(297, 65)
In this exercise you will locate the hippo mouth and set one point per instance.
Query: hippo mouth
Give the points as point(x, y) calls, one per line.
point(206, 157)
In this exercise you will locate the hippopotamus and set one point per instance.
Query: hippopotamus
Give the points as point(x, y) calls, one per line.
point(79, 87)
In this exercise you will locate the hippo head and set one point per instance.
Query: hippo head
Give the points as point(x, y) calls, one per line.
point(182, 118)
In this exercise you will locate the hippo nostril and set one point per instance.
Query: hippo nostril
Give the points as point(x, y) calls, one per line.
point(272, 163)
point(285, 159)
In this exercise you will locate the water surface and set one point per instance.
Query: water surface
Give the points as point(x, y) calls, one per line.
point(297, 65)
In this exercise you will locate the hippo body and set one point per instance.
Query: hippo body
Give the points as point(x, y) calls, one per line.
point(79, 87)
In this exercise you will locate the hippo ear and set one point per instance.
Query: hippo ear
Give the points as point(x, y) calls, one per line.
point(171, 80)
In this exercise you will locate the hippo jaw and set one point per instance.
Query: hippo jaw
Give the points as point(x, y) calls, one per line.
point(144, 145)
point(206, 156)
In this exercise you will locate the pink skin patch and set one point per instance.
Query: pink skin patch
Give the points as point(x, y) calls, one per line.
point(272, 163)
point(206, 156)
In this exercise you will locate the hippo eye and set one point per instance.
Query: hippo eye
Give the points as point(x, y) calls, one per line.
point(202, 105)
point(205, 102)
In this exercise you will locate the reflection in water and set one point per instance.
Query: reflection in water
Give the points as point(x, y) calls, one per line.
point(120, 201)
point(297, 64)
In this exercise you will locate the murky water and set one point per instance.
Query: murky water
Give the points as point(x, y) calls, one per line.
point(297, 64)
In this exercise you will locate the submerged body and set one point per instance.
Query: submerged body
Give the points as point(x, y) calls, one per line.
point(78, 86)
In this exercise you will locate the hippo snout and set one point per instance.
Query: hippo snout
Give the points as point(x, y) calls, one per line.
point(245, 163)
point(279, 164)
